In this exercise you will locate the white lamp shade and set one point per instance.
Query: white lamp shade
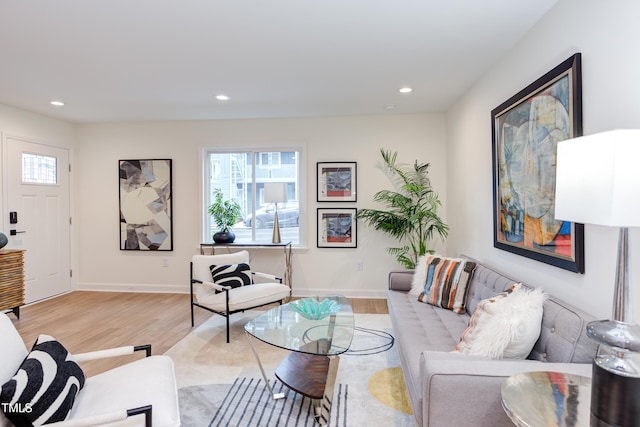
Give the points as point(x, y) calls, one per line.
point(598, 179)
point(275, 192)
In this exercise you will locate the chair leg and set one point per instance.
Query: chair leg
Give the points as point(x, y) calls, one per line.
point(191, 291)
point(227, 305)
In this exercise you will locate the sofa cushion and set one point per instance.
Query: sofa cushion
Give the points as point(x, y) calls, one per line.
point(45, 386)
point(418, 327)
point(563, 337)
point(505, 326)
point(484, 284)
point(446, 282)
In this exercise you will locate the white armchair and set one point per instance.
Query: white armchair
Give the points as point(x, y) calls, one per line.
point(226, 300)
point(139, 393)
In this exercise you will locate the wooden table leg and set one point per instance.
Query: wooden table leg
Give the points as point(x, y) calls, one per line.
point(311, 376)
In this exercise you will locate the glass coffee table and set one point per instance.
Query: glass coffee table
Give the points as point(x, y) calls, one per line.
point(315, 337)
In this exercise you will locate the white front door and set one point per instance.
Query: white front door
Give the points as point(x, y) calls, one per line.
point(37, 214)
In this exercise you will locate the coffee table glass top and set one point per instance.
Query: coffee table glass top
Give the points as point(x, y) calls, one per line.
point(306, 330)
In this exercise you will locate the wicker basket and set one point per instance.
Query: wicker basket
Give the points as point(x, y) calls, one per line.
point(11, 279)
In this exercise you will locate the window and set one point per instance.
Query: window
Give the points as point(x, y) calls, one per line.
point(269, 160)
point(241, 175)
point(38, 169)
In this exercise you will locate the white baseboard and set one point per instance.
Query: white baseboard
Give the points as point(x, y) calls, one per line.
point(349, 294)
point(133, 287)
point(181, 289)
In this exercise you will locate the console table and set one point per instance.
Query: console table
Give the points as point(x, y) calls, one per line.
point(255, 245)
point(12, 280)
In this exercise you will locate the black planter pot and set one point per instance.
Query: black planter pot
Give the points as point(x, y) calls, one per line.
point(224, 237)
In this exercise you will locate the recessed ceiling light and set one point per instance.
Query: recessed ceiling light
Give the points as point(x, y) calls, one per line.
point(56, 103)
point(222, 97)
point(405, 89)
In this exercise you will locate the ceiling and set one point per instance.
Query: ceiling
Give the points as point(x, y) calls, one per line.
point(135, 60)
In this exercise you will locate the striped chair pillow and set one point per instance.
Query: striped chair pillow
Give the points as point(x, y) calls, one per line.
point(234, 275)
point(45, 386)
point(446, 282)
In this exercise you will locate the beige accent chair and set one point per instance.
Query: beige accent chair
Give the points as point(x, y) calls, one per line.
point(225, 300)
point(139, 393)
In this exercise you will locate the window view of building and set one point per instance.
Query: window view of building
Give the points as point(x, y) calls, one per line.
point(241, 175)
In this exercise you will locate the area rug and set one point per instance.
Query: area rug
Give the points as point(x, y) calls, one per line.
point(220, 384)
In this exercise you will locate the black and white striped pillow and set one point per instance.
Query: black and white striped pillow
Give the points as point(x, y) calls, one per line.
point(234, 275)
point(44, 388)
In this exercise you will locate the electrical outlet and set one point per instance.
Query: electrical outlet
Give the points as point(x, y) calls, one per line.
point(165, 262)
point(359, 266)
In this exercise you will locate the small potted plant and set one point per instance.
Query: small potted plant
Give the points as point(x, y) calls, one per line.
point(225, 213)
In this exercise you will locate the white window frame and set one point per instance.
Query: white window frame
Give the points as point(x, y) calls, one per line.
point(205, 230)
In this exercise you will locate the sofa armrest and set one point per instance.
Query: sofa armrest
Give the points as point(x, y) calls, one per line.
point(400, 280)
point(464, 390)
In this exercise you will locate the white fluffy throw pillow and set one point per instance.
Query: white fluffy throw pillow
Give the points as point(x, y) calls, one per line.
point(419, 276)
point(506, 326)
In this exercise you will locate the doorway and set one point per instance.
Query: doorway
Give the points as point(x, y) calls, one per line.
point(38, 218)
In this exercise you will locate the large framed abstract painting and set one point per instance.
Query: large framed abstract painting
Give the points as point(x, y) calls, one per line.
point(525, 131)
point(146, 211)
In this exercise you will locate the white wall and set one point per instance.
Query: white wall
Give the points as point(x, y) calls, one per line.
point(35, 127)
point(101, 265)
point(606, 33)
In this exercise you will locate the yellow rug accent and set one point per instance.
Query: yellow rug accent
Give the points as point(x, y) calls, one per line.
point(388, 387)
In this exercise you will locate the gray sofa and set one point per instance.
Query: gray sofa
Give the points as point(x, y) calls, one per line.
point(453, 389)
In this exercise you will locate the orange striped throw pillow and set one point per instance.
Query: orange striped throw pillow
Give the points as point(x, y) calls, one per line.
point(446, 282)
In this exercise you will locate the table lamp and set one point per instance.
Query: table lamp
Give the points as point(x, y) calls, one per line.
point(598, 182)
point(275, 192)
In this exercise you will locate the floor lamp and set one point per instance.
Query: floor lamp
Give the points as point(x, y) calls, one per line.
point(275, 192)
point(598, 182)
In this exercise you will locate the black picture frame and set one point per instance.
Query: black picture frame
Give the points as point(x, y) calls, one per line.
point(337, 182)
point(146, 204)
point(525, 131)
point(337, 228)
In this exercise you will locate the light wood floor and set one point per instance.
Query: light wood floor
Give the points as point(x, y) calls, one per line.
point(86, 321)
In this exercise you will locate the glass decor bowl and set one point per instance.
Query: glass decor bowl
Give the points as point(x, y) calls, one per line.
point(312, 309)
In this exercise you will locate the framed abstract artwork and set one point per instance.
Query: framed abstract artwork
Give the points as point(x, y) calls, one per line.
point(146, 212)
point(337, 182)
point(525, 131)
point(337, 228)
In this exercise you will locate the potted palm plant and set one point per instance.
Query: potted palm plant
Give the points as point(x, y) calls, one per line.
point(225, 213)
point(410, 212)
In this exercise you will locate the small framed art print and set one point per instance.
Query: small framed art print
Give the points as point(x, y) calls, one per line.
point(337, 182)
point(337, 228)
